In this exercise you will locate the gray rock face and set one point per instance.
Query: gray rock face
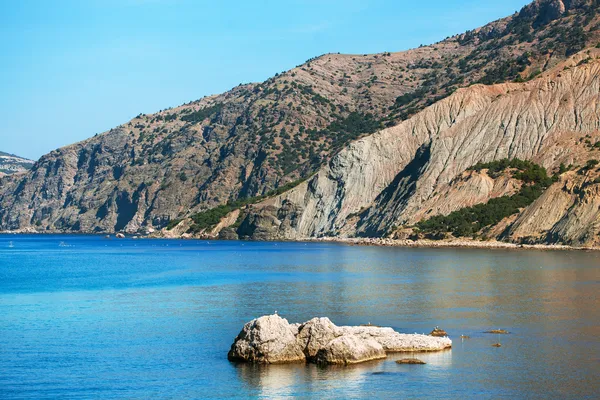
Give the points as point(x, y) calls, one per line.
point(350, 349)
point(315, 335)
point(272, 340)
point(267, 340)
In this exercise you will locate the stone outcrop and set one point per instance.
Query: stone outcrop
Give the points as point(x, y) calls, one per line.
point(315, 334)
point(350, 349)
point(438, 332)
point(272, 340)
point(394, 342)
point(267, 340)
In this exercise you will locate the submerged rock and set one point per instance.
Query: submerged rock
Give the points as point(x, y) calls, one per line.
point(498, 331)
point(496, 345)
point(273, 340)
point(410, 361)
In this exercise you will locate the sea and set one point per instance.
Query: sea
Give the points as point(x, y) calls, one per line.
point(89, 317)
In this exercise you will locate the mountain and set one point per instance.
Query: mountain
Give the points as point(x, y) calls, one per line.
point(11, 164)
point(455, 155)
point(262, 139)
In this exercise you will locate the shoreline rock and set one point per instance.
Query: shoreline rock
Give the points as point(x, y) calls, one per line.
point(273, 340)
point(448, 243)
point(383, 242)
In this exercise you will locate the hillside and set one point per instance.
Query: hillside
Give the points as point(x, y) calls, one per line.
point(452, 160)
point(11, 164)
point(159, 168)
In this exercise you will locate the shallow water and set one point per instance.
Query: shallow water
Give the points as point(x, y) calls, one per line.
point(98, 318)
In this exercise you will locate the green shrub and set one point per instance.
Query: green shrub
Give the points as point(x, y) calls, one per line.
point(201, 115)
point(470, 220)
point(173, 223)
point(210, 218)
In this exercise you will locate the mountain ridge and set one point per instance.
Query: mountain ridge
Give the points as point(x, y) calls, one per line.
point(169, 165)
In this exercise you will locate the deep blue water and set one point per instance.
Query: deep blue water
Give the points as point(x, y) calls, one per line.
point(98, 318)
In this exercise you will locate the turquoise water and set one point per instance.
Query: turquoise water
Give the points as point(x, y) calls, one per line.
point(99, 318)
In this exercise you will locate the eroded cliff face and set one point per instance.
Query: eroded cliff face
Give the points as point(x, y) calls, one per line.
point(403, 174)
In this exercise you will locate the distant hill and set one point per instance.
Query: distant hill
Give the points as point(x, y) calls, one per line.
point(11, 164)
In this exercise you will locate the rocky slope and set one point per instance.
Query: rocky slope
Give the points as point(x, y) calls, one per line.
point(416, 169)
point(257, 137)
point(11, 164)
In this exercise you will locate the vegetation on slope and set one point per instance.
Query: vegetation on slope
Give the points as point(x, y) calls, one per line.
point(468, 221)
point(208, 219)
point(255, 137)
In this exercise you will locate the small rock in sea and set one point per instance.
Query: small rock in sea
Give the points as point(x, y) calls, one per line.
point(410, 361)
point(496, 345)
point(465, 337)
point(437, 332)
point(273, 340)
point(120, 236)
point(498, 331)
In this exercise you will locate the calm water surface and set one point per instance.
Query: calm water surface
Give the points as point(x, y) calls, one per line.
point(98, 318)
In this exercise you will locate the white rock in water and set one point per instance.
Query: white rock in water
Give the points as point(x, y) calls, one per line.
point(394, 342)
point(272, 340)
point(267, 340)
point(350, 349)
point(316, 334)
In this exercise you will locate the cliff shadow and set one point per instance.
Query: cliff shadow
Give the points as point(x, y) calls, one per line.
point(375, 220)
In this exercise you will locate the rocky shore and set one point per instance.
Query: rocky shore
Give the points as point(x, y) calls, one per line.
point(453, 243)
point(273, 340)
point(386, 242)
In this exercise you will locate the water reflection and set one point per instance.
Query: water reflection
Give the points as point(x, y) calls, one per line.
point(276, 381)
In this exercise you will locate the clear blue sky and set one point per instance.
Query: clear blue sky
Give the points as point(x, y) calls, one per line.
point(73, 68)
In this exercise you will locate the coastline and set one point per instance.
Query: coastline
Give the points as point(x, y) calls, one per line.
point(455, 243)
point(381, 242)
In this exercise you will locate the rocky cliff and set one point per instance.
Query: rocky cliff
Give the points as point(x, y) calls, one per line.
point(158, 169)
point(416, 170)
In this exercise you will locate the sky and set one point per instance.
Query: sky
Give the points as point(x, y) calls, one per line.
point(72, 68)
